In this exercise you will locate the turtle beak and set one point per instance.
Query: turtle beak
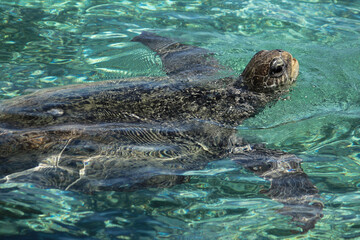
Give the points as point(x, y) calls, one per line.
point(294, 69)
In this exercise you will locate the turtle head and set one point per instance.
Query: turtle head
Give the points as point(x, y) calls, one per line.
point(270, 71)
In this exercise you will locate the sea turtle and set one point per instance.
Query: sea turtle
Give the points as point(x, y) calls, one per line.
point(149, 131)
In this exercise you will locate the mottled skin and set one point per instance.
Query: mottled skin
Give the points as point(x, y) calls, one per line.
point(133, 101)
point(147, 132)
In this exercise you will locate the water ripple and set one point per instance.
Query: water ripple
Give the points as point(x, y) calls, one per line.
point(51, 43)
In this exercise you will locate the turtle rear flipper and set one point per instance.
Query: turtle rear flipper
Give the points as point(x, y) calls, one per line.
point(180, 59)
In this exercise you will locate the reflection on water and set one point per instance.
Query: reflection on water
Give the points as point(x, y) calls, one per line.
point(44, 44)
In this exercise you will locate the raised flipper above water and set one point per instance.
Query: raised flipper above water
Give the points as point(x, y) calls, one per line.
point(180, 59)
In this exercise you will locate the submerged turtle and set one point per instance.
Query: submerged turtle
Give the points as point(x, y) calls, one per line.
point(148, 131)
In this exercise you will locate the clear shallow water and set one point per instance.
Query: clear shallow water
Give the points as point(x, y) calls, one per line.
point(53, 43)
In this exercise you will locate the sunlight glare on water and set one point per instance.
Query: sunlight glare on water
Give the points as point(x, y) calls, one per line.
point(54, 43)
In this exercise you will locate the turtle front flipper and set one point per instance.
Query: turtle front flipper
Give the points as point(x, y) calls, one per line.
point(180, 59)
point(290, 185)
point(299, 196)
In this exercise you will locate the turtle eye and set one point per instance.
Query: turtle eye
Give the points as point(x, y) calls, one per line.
point(277, 67)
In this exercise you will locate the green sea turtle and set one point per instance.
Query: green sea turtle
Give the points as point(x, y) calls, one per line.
point(149, 131)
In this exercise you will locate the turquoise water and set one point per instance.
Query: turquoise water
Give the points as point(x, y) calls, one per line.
point(51, 43)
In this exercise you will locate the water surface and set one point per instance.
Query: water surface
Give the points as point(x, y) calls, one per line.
point(51, 43)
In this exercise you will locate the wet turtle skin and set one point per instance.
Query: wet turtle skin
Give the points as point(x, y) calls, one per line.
point(148, 132)
point(133, 101)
